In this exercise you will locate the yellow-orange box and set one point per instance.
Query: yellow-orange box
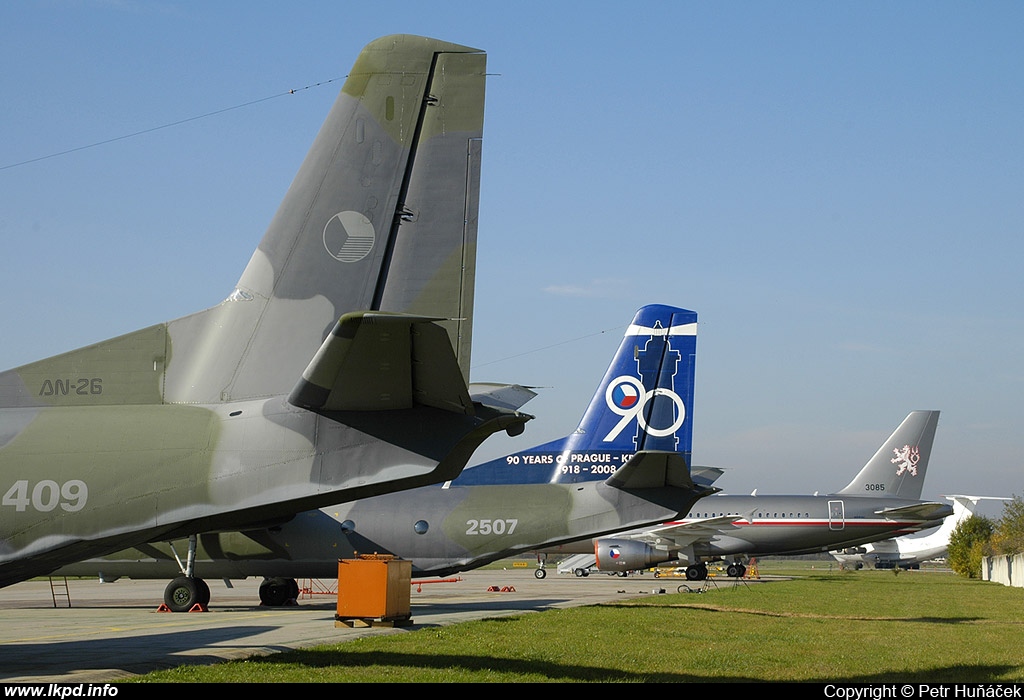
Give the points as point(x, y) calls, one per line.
point(374, 588)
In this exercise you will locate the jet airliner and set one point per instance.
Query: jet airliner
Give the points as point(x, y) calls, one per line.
point(882, 501)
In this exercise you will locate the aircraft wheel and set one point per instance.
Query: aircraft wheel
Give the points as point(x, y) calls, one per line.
point(293, 589)
point(275, 592)
point(735, 570)
point(204, 592)
point(183, 593)
point(539, 573)
point(693, 573)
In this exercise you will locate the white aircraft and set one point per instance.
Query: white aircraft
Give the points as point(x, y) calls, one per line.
point(909, 551)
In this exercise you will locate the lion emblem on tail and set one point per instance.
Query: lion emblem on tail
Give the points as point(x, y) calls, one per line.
point(907, 458)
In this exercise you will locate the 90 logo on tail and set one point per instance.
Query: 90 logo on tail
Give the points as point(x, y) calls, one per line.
point(626, 397)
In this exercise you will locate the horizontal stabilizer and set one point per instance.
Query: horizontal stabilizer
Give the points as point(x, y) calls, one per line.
point(650, 469)
point(918, 511)
point(508, 397)
point(705, 476)
point(375, 361)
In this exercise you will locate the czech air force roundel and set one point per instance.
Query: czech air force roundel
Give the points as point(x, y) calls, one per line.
point(625, 395)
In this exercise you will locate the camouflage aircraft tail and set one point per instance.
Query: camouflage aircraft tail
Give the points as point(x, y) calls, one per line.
point(898, 468)
point(643, 403)
point(382, 216)
point(336, 369)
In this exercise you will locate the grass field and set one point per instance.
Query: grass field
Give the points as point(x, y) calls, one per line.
point(822, 626)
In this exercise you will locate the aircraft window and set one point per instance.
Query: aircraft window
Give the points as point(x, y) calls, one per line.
point(421, 527)
point(348, 527)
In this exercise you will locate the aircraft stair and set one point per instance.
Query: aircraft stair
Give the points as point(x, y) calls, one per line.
point(577, 562)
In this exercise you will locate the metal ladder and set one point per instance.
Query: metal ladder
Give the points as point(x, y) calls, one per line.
point(59, 590)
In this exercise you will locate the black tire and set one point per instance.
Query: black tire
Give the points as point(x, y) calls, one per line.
point(184, 593)
point(275, 592)
point(540, 573)
point(693, 573)
point(204, 592)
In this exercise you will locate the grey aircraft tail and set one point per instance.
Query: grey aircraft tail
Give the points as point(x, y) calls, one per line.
point(898, 468)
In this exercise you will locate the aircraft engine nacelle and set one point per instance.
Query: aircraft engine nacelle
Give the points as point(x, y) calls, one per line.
point(627, 555)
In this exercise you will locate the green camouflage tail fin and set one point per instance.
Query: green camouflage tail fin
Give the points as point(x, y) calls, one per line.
point(381, 217)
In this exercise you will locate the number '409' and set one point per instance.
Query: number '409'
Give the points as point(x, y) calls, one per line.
point(46, 495)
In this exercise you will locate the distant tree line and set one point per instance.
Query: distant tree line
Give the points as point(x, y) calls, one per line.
point(978, 537)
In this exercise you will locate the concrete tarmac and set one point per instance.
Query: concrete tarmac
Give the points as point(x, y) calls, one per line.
point(113, 631)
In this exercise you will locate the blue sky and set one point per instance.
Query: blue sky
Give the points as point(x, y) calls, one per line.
point(836, 188)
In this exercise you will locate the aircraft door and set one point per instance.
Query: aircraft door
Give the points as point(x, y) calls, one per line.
point(836, 515)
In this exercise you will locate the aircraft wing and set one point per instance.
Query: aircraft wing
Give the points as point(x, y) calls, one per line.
point(918, 511)
point(380, 361)
point(683, 534)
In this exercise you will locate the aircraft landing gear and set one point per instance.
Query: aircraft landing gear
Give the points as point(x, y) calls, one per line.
point(275, 592)
point(540, 572)
point(697, 572)
point(185, 592)
point(736, 570)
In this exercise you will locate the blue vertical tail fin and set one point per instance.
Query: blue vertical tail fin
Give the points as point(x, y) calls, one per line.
point(644, 402)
